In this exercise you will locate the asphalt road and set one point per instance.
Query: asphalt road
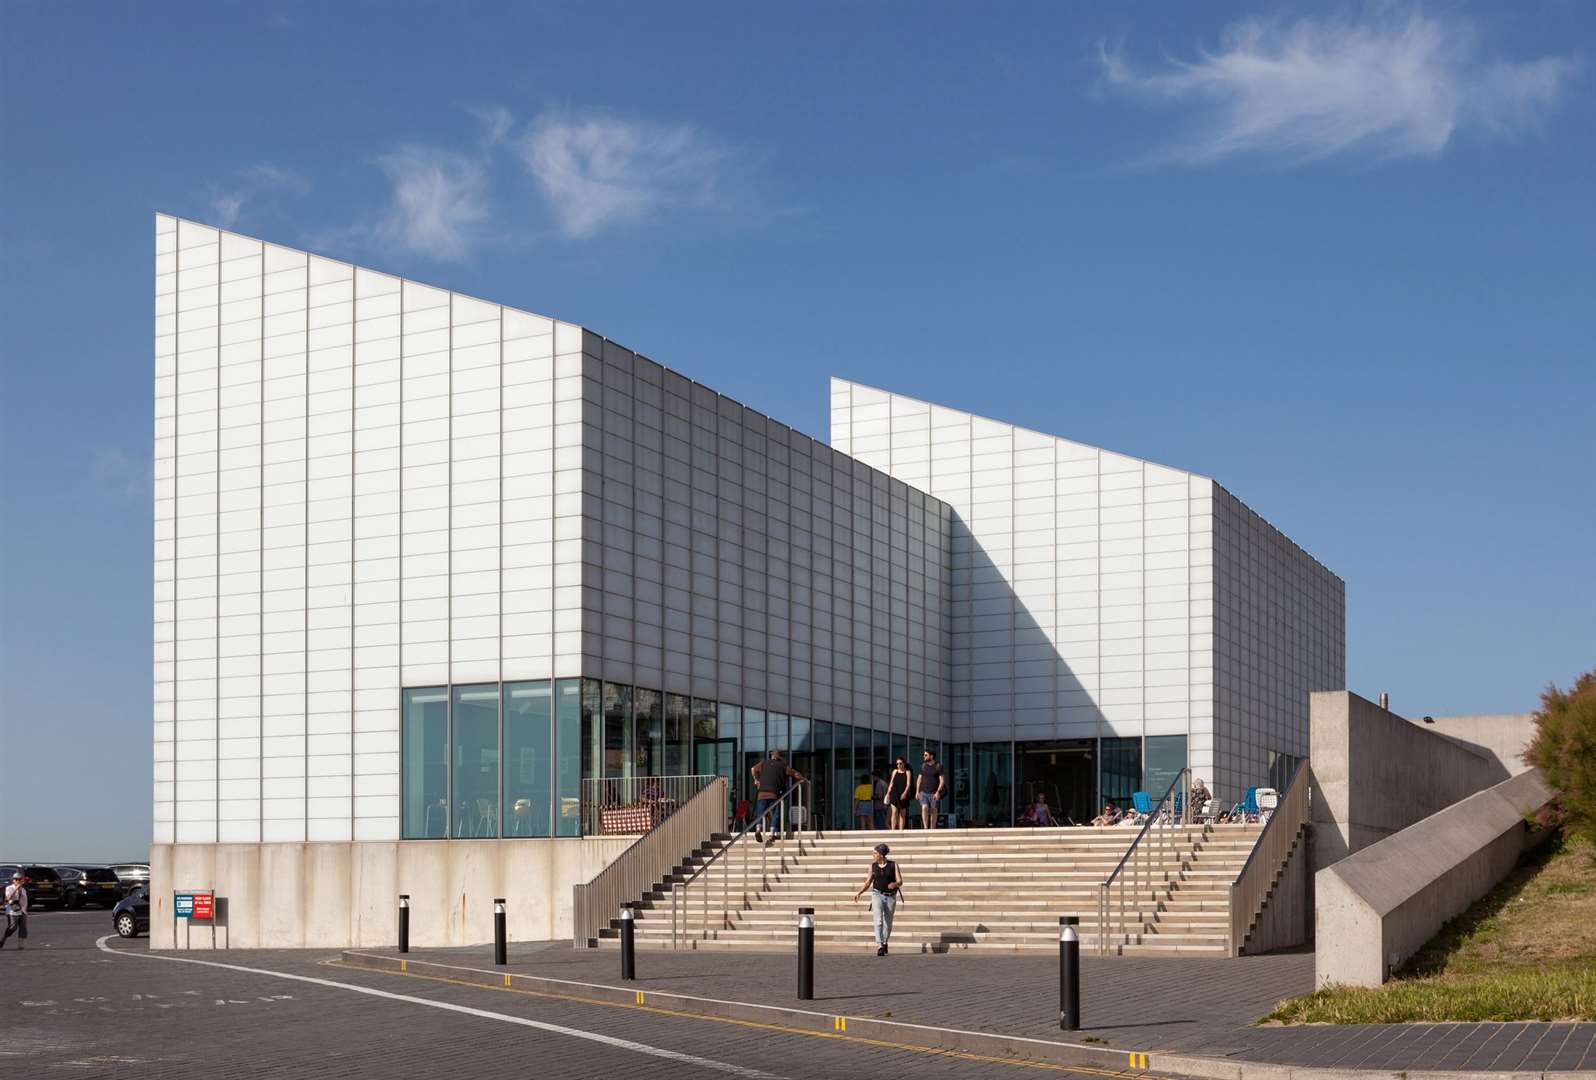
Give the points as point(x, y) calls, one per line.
point(74, 1004)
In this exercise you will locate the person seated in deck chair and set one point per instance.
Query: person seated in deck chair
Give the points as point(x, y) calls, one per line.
point(1041, 813)
point(1109, 816)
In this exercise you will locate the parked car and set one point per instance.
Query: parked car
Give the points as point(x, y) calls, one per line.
point(42, 882)
point(131, 917)
point(131, 874)
point(90, 885)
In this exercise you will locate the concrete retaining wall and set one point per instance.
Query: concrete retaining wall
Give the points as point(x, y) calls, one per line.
point(1374, 773)
point(1505, 736)
point(343, 895)
point(1380, 904)
point(1286, 919)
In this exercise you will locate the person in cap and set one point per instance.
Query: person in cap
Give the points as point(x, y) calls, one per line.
point(886, 886)
point(16, 911)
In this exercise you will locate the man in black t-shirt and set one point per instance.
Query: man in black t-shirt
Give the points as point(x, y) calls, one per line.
point(929, 790)
point(770, 781)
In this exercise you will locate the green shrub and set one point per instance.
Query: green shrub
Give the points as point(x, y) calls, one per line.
point(1564, 749)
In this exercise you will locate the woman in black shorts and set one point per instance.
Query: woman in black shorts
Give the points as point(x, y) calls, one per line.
point(900, 786)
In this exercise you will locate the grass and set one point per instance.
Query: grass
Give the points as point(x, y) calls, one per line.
point(1524, 951)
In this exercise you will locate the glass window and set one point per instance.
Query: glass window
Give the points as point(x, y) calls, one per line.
point(820, 778)
point(618, 730)
point(569, 747)
point(1165, 757)
point(776, 735)
point(843, 777)
point(678, 735)
point(426, 764)
point(1122, 770)
point(528, 758)
point(753, 746)
point(703, 721)
point(649, 744)
point(881, 759)
point(993, 763)
point(731, 739)
point(474, 730)
point(592, 730)
point(959, 780)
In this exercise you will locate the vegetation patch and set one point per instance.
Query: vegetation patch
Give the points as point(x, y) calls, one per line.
point(1524, 951)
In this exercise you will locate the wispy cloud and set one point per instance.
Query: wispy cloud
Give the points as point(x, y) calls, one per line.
point(251, 185)
point(439, 204)
point(122, 474)
point(1391, 84)
point(597, 170)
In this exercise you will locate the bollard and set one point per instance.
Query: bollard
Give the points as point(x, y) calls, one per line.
point(404, 922)
point(628, 944)
point(806, 954)
point(1069, 974)
point(499, 956)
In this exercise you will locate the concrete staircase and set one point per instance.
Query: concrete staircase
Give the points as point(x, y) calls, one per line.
point(983, 890)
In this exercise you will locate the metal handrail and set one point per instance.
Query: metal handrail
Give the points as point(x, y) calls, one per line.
point(792, 797)
point(646, 861)
point(661, 796)
point(1176, 802)
point(1246, 893)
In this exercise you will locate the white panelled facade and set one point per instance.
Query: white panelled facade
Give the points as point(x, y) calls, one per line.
point(1084, 592)
point(386, 513)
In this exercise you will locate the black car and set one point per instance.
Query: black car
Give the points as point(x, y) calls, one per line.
point(132, 916)
point(84, 885)
point(42, 882)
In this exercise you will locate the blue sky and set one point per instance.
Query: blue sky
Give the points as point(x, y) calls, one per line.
point(1339, 258)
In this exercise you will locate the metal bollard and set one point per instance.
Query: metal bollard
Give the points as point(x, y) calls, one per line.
point(806, 954)
point(499, 949)
point(404, 922)
point(628, 944)
point(1069, 974)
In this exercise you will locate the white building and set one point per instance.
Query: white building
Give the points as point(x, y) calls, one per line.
point(423, 562)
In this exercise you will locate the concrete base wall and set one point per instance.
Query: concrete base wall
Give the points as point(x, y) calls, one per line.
point(1374, 773)
point(340, 895)
point(1505, 736)
point(1375, 908)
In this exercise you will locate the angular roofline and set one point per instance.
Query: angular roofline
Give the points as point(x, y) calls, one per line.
point(1102, 449)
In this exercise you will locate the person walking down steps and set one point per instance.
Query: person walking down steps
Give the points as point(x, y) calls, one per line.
point(886, 885)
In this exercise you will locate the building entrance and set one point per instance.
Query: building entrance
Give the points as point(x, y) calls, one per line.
point(1065, 770)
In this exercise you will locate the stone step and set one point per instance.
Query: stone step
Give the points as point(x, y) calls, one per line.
point(1136, 947)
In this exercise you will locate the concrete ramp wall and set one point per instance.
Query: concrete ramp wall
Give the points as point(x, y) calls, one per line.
point(1376, 907)
point(1374, 773)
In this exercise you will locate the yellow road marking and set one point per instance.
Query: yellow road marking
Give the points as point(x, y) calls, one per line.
point(962, 1055)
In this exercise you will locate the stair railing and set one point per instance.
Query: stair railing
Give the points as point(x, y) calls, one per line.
point(790, 814)
point(1155, 841)
point(1251, 887)
point(646, 861)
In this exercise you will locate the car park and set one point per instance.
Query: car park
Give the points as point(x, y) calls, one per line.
point(131, 917)
point(84, 885)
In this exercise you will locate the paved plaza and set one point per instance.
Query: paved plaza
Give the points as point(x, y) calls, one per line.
point(74, 1004)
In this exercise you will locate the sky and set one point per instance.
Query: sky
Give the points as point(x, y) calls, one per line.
point(1339, 258)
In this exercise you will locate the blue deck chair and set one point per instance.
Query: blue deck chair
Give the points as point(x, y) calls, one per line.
point(1142, 802)
point(1248, 805)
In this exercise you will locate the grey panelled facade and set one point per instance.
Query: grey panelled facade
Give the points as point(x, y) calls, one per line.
point(727, 556)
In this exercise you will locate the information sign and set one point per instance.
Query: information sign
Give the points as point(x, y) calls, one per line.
point(198, 906)
point(182, 905)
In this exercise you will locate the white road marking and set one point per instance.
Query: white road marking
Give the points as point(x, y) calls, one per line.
point(575, 1033)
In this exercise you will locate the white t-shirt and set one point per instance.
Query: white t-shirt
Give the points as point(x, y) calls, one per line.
point(16, 898)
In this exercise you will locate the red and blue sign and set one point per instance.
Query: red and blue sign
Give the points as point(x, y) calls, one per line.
point(197, 906)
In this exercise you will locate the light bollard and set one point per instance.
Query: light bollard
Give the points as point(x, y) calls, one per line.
point(499, 948)
point(404, 922)
point(628, 944)
point(806, 954)
point(1069, 974)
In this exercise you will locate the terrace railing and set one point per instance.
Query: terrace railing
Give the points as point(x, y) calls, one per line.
point(1120, 895)
point(635, 804)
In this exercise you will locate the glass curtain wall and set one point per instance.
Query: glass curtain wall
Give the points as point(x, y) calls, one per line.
point(1164, 757)
point(1121, 771)
point(678, 735)
point(528, 758)
point(753, 748)
point(426, 764)
point(569, 746)
point(959, 782)
point(843, 776)
point(991, 769)
point(730, 727)
point(648, 741)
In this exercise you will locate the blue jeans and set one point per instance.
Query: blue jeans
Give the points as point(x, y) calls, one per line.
point(882, 907)
point(759, 813)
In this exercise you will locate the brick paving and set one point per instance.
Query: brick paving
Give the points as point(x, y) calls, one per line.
point(68, 1009)
point(1203, 1006)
